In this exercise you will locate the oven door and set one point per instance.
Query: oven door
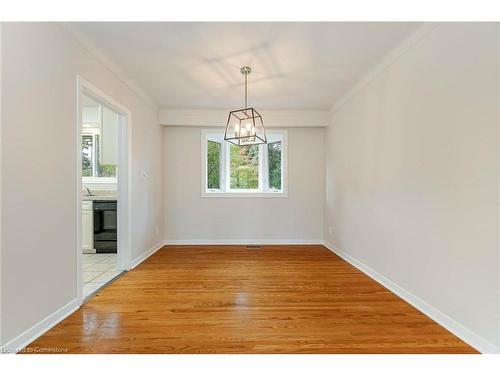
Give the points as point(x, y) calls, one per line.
point(105, 226)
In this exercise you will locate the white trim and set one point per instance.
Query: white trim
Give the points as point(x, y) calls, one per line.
point(78, 192)
point(233, 194)
point(124, 179)
point(389, 59)
point(245, 242)
point(459, 330)
point(226, 166)
point(279, 118)
point(498, 164)
point(262, 160)
point(99, 180)
point(282, 135)
point(141, 258)
point(124, 190)
point(31, 334)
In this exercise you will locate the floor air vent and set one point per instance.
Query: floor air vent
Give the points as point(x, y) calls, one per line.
point(253, 247)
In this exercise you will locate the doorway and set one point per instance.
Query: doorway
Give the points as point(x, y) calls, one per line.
point(103, 190)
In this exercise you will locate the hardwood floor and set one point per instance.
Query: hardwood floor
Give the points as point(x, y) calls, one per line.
point(229, 299)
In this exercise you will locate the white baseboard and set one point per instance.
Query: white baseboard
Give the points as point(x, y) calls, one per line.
point(245, 242)
point(459, 330)
point(27, 337)
point(141, 258)
point(464, 333)
point(31, 334)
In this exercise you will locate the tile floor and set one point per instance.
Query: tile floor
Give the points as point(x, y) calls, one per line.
point(98, 269)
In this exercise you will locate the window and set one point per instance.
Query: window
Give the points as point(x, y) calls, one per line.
point(244, 167)
point(214, 152)
point(88, 159)
point(274, 158)
point(257, 170)
point(100, 126)
point(92, 165)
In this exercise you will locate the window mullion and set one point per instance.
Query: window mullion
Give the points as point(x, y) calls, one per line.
point(227, 166)
point(94, 158)
point(261, 185)
point(264, 168)
point(222, 179)
point(246, 183)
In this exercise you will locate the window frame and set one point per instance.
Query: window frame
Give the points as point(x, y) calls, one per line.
point(92, 153)
point(94, 133)
point(217, 135)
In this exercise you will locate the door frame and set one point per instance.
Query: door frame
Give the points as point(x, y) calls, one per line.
point(124, 194)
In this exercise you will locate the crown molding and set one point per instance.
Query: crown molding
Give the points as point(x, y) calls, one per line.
point(389, 59)
point(109, 64)
point(218, 117)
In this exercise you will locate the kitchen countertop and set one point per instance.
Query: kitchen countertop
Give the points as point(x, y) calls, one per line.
point(99, 195)
point(99, 198)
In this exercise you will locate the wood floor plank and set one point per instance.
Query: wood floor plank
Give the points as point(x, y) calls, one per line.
point(229, 299)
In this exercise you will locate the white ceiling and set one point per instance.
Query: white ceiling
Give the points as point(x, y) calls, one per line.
point(197, 65)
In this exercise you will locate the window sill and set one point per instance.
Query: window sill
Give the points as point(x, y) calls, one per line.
point(223, 194)
point(99, 180)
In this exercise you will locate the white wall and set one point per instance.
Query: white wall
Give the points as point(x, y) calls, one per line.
point(191, 218)
point(40, 64)
point(412, 174)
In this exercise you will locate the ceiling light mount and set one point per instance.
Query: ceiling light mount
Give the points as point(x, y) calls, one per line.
point(245, 126)
point(246, 70)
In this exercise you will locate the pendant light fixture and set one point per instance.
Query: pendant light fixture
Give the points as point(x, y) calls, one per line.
point(245, 126)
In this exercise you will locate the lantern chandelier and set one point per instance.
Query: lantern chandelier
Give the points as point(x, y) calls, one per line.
point(245, 126)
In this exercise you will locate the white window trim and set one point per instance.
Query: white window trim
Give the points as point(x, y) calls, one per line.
point(262, 169)
point(99, 180)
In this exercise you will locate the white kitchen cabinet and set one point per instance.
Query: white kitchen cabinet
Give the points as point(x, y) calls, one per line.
point(87, 227)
